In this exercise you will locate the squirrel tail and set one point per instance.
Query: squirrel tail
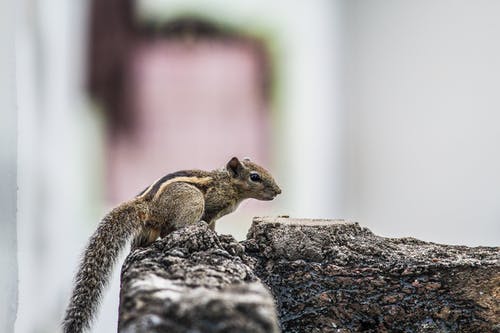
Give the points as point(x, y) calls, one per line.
point(99, 257)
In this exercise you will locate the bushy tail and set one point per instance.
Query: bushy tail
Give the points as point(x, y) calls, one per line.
point(95, 268)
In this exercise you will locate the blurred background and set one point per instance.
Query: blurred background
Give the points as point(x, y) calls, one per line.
point(382, 112)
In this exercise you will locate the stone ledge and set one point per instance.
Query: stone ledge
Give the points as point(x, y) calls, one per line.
point(193, 280)
point(325, 276)
point(336, 276)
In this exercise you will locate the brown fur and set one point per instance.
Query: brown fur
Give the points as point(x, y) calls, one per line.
point(168, 204)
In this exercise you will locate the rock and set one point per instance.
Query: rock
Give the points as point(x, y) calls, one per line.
point(193, 281)
point(332, 274)
point(325, 276)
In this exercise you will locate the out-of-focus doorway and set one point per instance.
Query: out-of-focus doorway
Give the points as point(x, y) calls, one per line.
point(186, 95)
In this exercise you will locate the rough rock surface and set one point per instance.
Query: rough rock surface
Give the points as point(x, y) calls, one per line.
point(335, 276)
point(193, 281)
point(325, 275)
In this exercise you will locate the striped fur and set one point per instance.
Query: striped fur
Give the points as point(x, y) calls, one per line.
point(172, 201)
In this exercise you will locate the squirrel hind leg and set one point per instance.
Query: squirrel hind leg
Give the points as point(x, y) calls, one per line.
point(145, 238)
point(178, 205)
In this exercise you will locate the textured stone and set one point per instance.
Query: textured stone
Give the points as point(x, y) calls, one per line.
point(193, 281)
point(335, 276)
point(325, 276)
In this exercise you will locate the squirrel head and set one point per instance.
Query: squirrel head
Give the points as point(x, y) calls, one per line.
point(252, 180)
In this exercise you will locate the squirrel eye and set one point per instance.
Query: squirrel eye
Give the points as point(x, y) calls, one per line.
point(255, 177)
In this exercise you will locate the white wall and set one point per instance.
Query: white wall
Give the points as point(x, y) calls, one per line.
point(58, 156)
point(423, 106)
point(8, 170)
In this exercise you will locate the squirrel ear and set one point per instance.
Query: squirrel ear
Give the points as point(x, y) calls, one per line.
point(234, 167)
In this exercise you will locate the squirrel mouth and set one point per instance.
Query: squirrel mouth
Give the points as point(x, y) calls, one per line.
point(270, 195)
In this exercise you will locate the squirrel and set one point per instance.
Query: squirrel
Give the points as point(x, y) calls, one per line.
point(173, 201)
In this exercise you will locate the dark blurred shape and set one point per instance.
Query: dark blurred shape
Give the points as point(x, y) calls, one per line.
point(116, 34)
point(185, 27)
point(111, 39)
